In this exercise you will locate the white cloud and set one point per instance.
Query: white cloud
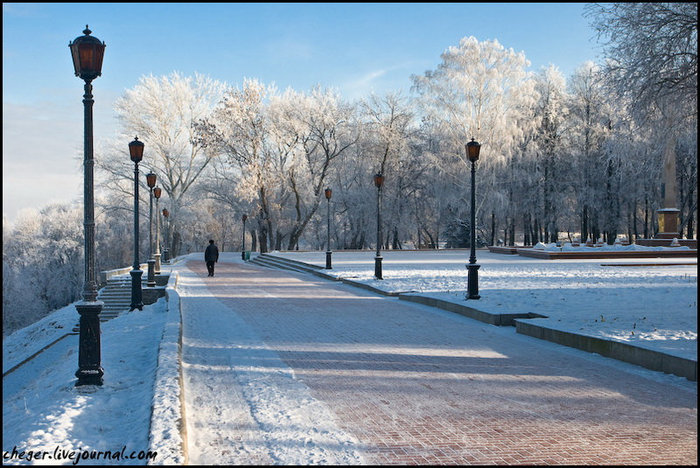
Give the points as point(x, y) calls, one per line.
point(394, 78)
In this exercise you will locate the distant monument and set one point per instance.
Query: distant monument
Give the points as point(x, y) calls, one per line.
point(668, 215)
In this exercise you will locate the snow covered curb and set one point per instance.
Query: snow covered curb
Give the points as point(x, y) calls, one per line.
point(637, 355)
point(166, 417)
point(651, 329)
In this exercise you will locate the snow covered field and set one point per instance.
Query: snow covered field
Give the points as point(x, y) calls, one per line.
point(649, 306)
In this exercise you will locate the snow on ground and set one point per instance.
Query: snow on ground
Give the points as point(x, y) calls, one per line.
point(603, 247)
point(270, 415)
point(45, 414)
point(649, 306)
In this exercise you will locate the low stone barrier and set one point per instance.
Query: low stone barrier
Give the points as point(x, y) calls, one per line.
point(647, 358)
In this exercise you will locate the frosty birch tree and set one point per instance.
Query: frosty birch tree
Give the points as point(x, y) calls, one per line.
point(239, 130)
point(552, 112)
point(388, 134)
point(479, 90)
point(587, 104)
point(161, 111)
point(320, 126)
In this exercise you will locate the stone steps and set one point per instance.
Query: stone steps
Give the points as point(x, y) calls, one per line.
point(271, 261)
point(116, 296)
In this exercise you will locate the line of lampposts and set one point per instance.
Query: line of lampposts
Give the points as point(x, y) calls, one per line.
point(472, 149)
point(87, 52)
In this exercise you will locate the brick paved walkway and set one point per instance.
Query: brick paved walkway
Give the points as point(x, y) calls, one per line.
point(419, 386)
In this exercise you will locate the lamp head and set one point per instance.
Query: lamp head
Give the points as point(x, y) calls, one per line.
point(136, 150)
point(473, 148)
point(87, 52)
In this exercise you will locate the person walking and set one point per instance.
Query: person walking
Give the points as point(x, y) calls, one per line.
point(211, 256)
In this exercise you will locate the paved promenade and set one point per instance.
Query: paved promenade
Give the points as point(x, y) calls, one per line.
point(401, 383)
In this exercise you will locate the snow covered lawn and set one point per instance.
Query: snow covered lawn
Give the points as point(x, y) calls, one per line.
point(43, 411)
point(649, 306)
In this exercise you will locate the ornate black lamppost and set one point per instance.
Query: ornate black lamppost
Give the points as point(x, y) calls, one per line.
point(156, 193)
point(328, 193)
point(244, 218)
point(151, 278)
point(473, 279)
point(166, 250)
point(378, 181)
point(87, 53)
point(136, 153)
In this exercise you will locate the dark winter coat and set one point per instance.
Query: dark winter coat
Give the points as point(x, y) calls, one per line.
point(211, 254)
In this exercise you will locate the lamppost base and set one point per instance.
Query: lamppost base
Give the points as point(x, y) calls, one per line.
point(378, 267)
point(151, 279)
point(89, 371)
point(136, 292)
point(473, 281)
point(328, 260)
point(157, 266)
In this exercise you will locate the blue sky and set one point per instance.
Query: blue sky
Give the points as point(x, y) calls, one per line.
point(357, 48)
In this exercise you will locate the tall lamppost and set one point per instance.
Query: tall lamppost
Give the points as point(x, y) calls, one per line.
point(328, 193)
point(151, 279)
point(472, 149)
point(87, 52)
point(166, 249)
point(378, 181)
point(156, 193)
point(136, 153)
point(244, 218)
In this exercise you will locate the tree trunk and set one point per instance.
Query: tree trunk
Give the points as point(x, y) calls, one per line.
point(262, 236)
point(634, 223)
point(646, 217)
point(254, 240)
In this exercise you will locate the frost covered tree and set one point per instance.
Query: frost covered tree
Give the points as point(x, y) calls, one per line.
point(651, 51)
point(161, 111)
point(238, 130)
point(552, 113)
point(388, 134)
point(480, 90)
point(42, 264)
point(588, 105)
point(278, 149)
point(321, 125)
